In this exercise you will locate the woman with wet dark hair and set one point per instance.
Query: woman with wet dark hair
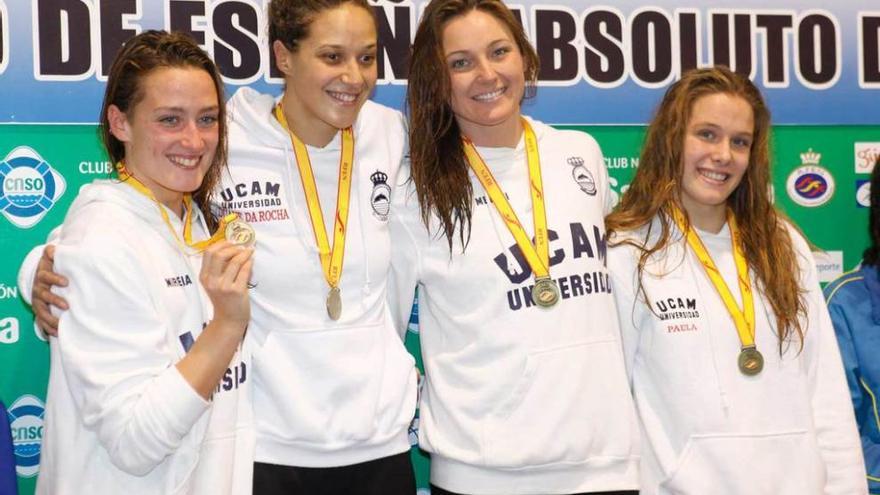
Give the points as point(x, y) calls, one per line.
point(502, 228)
point(138, 399)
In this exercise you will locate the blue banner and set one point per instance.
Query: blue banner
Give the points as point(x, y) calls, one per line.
point(816, 64)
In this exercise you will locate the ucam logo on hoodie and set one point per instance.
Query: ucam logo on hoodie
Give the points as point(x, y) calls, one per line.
point(255, 201)
point(514, 265)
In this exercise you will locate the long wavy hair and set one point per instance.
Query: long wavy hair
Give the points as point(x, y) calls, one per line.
point(139, 57)
point(656, 187)
point(439, 166)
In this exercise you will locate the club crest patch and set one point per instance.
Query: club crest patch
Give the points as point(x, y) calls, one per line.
point(582, 176)
point(380, 199)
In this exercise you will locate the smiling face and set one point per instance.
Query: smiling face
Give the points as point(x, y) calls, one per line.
point(487, 80)
point(717, 146)
point(170, 136)
point(330, 73)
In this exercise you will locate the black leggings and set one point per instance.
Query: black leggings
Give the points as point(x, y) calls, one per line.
point(391, 475)
point(436, 490)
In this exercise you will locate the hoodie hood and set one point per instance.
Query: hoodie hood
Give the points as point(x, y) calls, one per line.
point(251, 119)
point(124, 200)
point(508, 158)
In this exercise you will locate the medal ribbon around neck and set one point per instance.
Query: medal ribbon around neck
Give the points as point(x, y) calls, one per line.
point(744, 318)
point(187, 242)
point(331, 259)
point(537, 254)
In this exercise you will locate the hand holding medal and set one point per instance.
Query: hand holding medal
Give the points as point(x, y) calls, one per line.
point(232, 228)
point(238, 232)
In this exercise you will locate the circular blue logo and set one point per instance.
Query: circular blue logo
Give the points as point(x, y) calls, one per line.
point(26, 423)
point(29, 187)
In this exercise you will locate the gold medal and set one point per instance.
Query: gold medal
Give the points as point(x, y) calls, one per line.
point(545, 293)
point(750, 361)
point(334, 303)
point(238, 232)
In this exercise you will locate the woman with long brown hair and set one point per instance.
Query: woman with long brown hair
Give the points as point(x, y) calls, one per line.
point(334, 389)
point(141, 399)
point(525, 389)
point(731, 355)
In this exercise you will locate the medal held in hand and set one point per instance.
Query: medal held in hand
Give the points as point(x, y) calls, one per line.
point(240, 233)
point(232, 228)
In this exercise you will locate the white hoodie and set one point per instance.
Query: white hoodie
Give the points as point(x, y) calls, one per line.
point(327, 393)
point(520, 399)
point(707, 427)
point(120, 418)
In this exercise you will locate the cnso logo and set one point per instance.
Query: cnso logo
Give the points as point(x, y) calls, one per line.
point(30, 187)
point(26, 422)
point(829, 265)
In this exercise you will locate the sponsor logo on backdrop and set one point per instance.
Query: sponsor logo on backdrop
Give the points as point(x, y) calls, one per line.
point(30, 187)
point(863, 193)
point(621, 162)
point(9, 333)
point(95, 168)
point(8, 291)
point(26, 422)
point(829, 264)
point(866, 156)
point(810, 184)
point(616, 190)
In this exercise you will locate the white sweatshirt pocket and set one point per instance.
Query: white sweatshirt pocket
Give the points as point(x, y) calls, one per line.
point(330, 389)
point(571, 405)
point(736, 464)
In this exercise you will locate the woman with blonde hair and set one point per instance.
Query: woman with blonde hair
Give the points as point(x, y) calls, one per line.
point(731, 355)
